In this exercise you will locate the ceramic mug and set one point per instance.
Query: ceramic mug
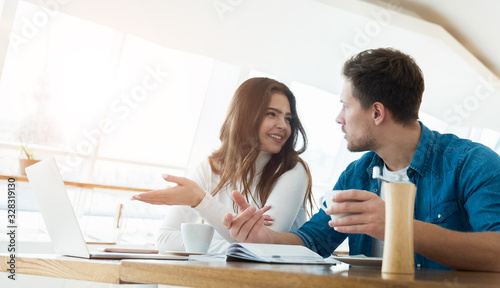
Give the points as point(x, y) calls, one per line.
point(196, 237)
point(327, 197)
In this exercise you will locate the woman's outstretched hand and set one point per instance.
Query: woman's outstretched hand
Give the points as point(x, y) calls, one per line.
point(187, 192)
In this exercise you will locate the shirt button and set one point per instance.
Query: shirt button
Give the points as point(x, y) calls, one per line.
point(439, 215)
point(418, 265)
point(375, 190)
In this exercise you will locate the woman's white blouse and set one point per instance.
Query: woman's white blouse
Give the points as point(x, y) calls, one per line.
point(286, 200)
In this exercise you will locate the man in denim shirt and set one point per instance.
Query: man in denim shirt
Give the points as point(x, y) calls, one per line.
point(457, 205)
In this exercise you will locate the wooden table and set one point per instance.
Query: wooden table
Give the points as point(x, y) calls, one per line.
point(51, 265)
point(238, 274)
point(246, 274)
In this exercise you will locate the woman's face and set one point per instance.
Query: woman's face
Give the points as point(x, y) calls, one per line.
point(275, 128)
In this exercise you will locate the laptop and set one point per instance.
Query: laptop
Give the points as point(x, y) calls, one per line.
point(60, 219)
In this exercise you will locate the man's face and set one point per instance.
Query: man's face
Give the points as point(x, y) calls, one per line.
point(356, 122)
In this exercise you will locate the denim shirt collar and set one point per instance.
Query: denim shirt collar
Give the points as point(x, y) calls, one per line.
point(422, 155)
point(420, 158)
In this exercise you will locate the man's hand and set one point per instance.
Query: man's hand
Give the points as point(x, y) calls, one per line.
point(247, 226)
point(371, 217)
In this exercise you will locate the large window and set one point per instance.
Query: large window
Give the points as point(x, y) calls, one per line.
point(112, 109)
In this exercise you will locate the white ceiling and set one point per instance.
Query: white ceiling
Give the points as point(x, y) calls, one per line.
point(476, 27)
point(454, 41)
point(475, 24)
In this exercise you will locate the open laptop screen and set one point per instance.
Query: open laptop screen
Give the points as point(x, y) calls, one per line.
point(60, 219)
point(56, 209)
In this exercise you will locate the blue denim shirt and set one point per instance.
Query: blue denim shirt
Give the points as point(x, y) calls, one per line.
point(458, 188)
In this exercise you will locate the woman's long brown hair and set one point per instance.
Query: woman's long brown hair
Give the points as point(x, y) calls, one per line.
point(235, 160)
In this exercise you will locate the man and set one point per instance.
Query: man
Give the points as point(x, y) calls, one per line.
point(457, 205)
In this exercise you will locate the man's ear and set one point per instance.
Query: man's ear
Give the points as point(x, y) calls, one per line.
point(378, 113)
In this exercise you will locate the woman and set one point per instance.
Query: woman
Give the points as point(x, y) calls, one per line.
point(257, 157)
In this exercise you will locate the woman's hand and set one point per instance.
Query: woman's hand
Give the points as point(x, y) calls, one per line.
point(248, 225)
point(268, 220)
point(187, 192)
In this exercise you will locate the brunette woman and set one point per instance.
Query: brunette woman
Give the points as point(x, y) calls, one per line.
point(257, 157)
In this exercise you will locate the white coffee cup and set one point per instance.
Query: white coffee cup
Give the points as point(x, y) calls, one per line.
point(196, 237)
point(327, 197)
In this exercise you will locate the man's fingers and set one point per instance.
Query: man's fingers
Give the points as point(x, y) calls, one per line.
point(240, 200)
point(347, 207)
point(352, 194)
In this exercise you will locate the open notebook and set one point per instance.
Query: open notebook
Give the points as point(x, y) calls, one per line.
point(273, 253)
point(60, 219)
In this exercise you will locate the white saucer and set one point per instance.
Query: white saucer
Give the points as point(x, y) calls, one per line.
point(182, 253)
point(360, 260)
